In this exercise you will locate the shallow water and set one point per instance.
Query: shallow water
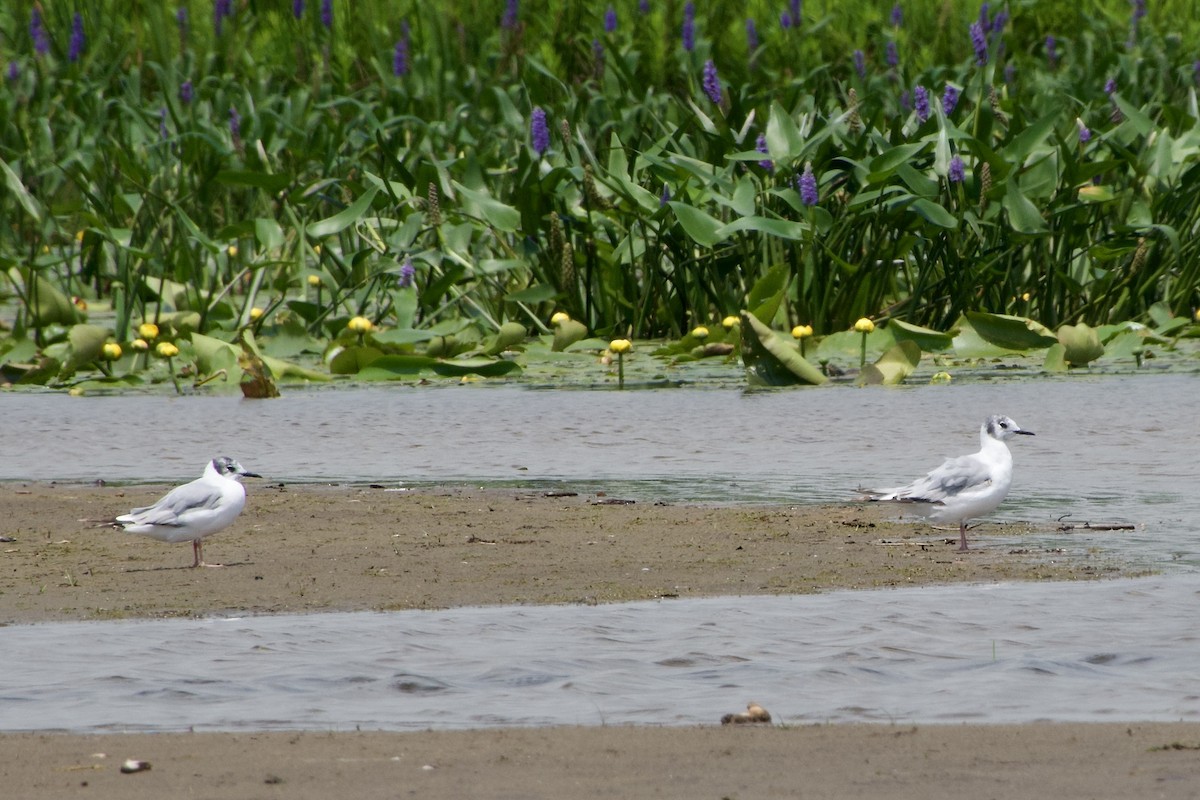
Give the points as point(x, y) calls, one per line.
point(1122, 650)
point(1107, 450)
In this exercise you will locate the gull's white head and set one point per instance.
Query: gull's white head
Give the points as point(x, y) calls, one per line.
point(1002, 428)
point(227, 467)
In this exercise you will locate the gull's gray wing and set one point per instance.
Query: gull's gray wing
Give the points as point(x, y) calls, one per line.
point(194, 496)
point(953, 477)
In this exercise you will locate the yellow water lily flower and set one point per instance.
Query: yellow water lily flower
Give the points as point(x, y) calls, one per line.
point(559, 318)
point(314, 280)
point(730, 321)
point(360, 325)
point(620, 346)
point(166, 350)
point(148, 331)
point(940, 377)
point(111, 351)
point(232, 250)
point(256, 313)
point(864, 325)
point(700, 332)
point(140, 344)
point(802, 331)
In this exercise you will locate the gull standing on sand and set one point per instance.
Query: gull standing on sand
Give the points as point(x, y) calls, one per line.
point(190, 512)
point(965, 487)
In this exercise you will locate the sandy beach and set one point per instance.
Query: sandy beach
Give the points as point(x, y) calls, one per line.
point(304, 549)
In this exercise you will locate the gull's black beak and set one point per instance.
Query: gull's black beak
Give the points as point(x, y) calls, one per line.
point(256, 475)
point(1025, 433)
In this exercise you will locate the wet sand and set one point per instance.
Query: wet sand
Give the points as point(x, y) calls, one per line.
point(301, 549)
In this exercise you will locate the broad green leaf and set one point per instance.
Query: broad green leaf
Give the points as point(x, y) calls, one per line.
point(893, 366)
point(389, 368)
point(703, 229)
point(884, 165)
point(509, 335)
point(481, 204)
point(1056, 360)
point(26, 200)
point(1081, 344)
point(48, 304)
point(927, 339)
point(1025, 142)
point(784, 142)
point(344, 218)
point(268, 232)
point(213, 356)
point(784, 229)
point(1023, 215)
point(538, 293)
point(1009, 332)
point(770, 361)
point(934, 213)
point(767, 293)
point(86, 342)
point(352, 360)
point(402, 336)
point(1134, 116)
point(567, 333)
point(476, 366)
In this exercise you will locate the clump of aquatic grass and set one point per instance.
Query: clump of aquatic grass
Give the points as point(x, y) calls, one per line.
point(157, 168)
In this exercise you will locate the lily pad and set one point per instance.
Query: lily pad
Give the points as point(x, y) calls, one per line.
point(1081, 344)
point(509, 335)
point(893, 366)
point(86, 341)
point(567, 333)
point(1009, 332)
point(927, 339)
point(771, 361)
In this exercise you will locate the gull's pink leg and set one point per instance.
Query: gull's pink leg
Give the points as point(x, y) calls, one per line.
point(962, 536)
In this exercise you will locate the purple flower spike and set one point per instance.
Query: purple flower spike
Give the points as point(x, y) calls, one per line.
point(761, 146)
point(185, 92)
point(512, 11)
point(785, 21)
point(400, 55)
point(751, 36)
point(610, 20)
point(235, 124)
point(1196, 71)
point(897, 16)
point(75, 49)
point(14, 70)
point(979, 42)
point(221, 10)
point(539, 132)
point(1110, 86)
point(893, 55)
point(689, 27)
point(407, 273)
point(327, 13)
point(37, 32)
point(162, 123)
point(297, 8)
point(1085, 135)
point(807, 183)
point(643, 7)
point(665, 197)
point(1051, 51)
point(985, 19)
point(860, 64)
point(956, 173)
point(921, 103)
point(712, 83)
point(949, 99)
point(181, 20)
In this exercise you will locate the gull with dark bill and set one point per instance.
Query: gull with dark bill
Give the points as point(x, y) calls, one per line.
point(190, 512)
point(966, 487)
